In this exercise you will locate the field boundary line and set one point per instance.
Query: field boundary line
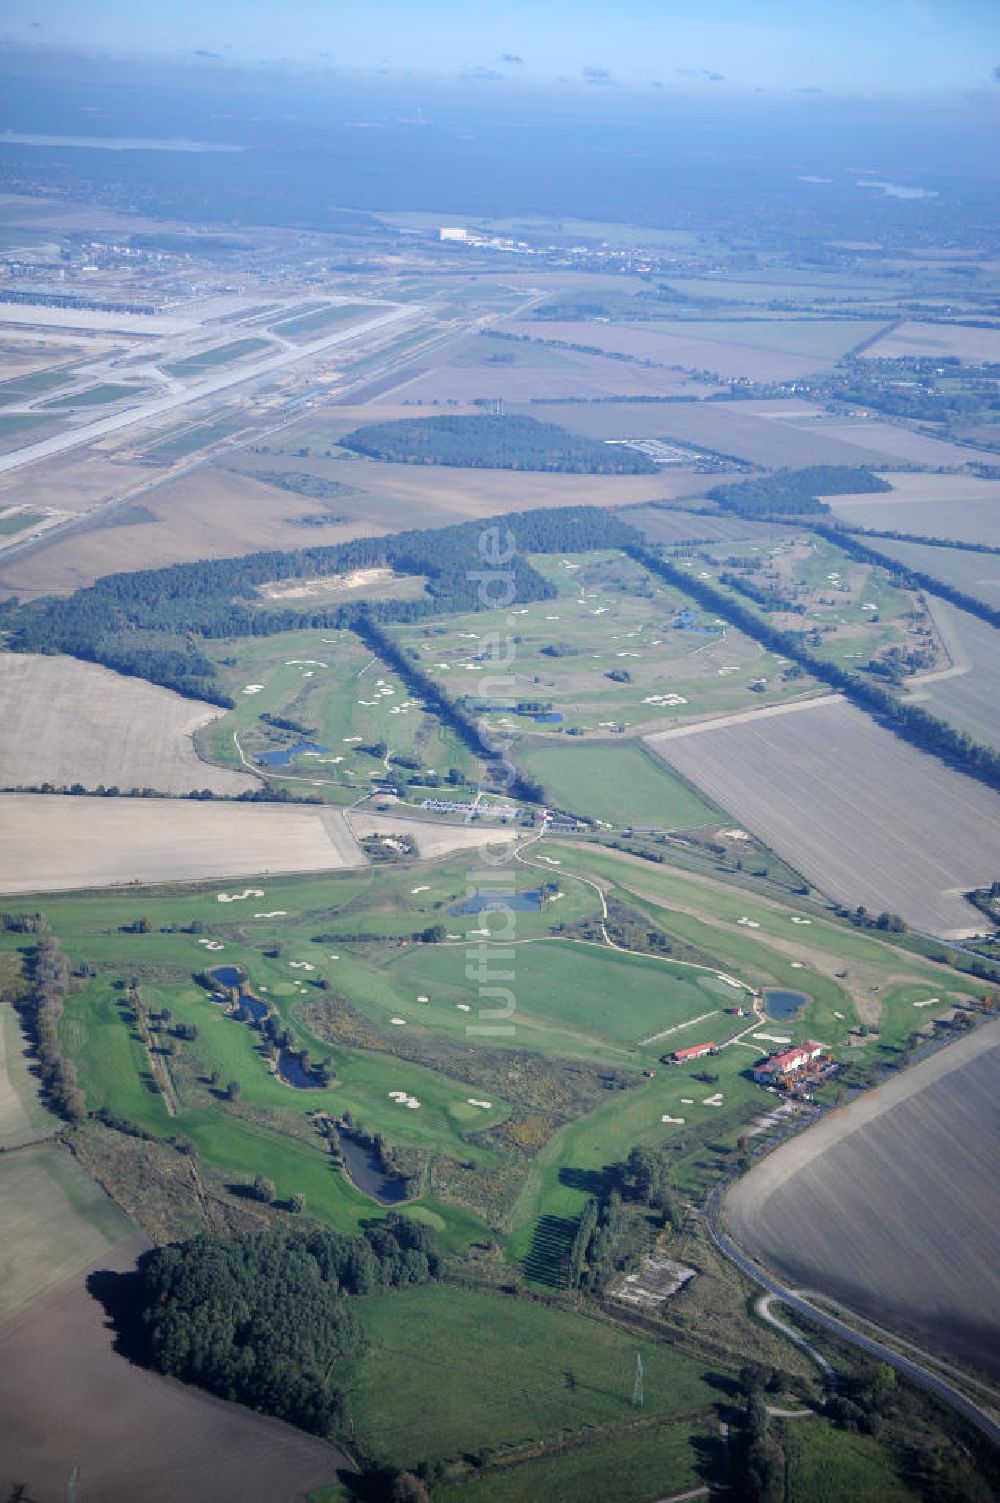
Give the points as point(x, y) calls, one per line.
point(721, 721)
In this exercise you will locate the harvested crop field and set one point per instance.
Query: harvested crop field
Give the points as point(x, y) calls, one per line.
point(55, 844)
point(63, 721)
point(520, 375)
point(912, 338)
point(656, 342)
point(769, 433)
point(877, 1205)
point(976, 574)
point(56, 1221)
point(866, 817)
point(899, 443)
point(207, 513)
point(967, 695)
point(68, 1400)
point(961, 507)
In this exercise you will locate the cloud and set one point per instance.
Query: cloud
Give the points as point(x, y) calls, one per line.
point(201, 52)
point(686, 72)
point(712, 77)
point(995, 75)
point(511, 57)
point(597, 76)
point(809, 89)
point(482, 75)
point(35, 26)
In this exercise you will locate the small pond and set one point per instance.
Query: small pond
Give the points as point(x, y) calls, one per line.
point(292, 1073)
point(364, 1170)
point(495, 902)
point(781, 1005)
point(285, 754)
point(547, 717)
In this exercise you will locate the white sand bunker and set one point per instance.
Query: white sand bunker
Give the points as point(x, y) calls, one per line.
point(748, 923)
point(301, 965)
point(237, 897)
point(403, 1098)
point(734, 834)
point(273, 913)
point(687, 1101)
point(678, 1120)
point(665, 699)
point(486, 1105)
point(211, 944)
point(928, 1003)
point(463, 1006)
point(839, 1015)
point(423, 888)
point(796, 965)
point(304, 663)
point(398, 1022)
point(801, 920)
point(349, 740)
point(252, 688)
point(715, 1100)
point(773, 1038)
point(334, 957)
point(422, 998)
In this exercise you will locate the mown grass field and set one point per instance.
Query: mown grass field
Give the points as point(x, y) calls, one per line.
point(674, 660)
point(450, 1371)
point(328, 681)
point(645, 1464)
point(620, 783)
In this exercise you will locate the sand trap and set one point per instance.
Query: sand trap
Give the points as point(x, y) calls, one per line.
point(463, 1006)
point(301, 965)
point(796, 965)
point(422, 888)
point(422, 998)
point(486, 1105)
point(273, 913)
point(334, 957)
point(678, 1120)
point(398, 1022)
point(252, 688)
point(748, 923)
point(687, 1101)
point(801, 921)
point(237, 897)
point(772, 1038)
point(715, 1100)
point(929, 1002)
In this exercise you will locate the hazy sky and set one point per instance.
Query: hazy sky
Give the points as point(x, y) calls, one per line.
point(703, 46)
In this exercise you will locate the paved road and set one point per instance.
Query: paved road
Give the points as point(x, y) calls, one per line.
point(75, 438)
point(904, 1365)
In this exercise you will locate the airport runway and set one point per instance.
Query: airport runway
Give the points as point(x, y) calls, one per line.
point(76, 438)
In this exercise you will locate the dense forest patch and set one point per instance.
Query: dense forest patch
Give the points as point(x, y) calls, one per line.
point(494, 443)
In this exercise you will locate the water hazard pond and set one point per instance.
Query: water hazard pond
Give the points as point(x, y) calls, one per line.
point(782, 1006)
point(362, 1162)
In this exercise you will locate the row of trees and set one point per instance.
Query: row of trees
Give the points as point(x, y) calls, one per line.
point(909, 721)
point(49, 979)
point(610, 1235)
point(265, 1319)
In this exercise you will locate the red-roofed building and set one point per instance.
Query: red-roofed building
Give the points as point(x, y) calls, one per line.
point(786, 1062)
point(693, 1051)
